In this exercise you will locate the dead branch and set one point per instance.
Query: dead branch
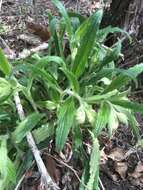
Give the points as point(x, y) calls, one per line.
point(46, 180)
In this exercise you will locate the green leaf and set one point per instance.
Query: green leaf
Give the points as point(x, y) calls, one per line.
point(95, 98)
point(103, 33)
point(72, 79)
point(5, 90)
point(3, 158)
point(11, 171)
point(86, 43)
point(43, 132)
point(136, 107)
point(85, 175)
point(125, 77)
point(7, 169)
point(44, 61)
point(122, 117)
point(53, 25)
point(64, 13)
point(102, 119)
point(76, 15)
point(94, 165)
point(44, 75)
point(134, 125)
point(4, 64)
point(90, 113)
point(80, 115)
point(26, 126)
point(81, 30)
point(112, 121)
point(47, 104)
point(112, 55)
point(66, 117)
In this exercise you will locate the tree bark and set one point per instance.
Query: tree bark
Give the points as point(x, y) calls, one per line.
point(127, 14)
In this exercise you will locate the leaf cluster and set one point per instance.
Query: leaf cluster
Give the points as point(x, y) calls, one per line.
point(75, 89)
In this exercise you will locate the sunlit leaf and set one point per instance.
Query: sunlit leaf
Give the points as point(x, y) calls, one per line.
point(136, 107)
point(5, 90)
point(47, 104)
point(4, 64)
point(112, 121)
point(95, 98)
point(102, 119)
point(87, 43)
point(94, 165)
point(124, 77)
point(112, 55)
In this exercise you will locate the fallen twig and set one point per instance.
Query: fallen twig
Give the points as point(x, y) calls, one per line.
point(0, 4)
point(26, 53)
point(101, 184)
point(46, 180)
point(19, 183)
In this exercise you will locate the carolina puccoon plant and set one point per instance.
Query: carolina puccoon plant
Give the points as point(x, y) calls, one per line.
point(74, 89)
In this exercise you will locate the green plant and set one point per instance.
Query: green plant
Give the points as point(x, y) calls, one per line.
point(74, 90)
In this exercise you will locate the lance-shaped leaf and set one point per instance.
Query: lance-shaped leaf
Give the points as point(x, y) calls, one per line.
point(5, 89)
point(112, 55)
point(44, 61)
point(86, 43)
point(136, 107)
point(94, 165)
point(124, 77)
point(25, 126)
point(64, 13)
point(4, 64)
point(43, 132)
point(72, 79)
point(102, 119)
point(112, 121)
point(7, 169)
point(66, 116)
point(103, 33)
point(100, 97)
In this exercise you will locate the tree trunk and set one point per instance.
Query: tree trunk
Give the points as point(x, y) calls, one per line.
point(127, 14)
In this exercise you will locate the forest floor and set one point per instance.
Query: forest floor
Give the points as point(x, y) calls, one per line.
point(121, 160)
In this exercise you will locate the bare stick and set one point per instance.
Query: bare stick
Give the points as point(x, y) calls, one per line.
point(26, 53)
point(101, 184)
point(46, 180)
point(19, 183)
point(0, 4)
